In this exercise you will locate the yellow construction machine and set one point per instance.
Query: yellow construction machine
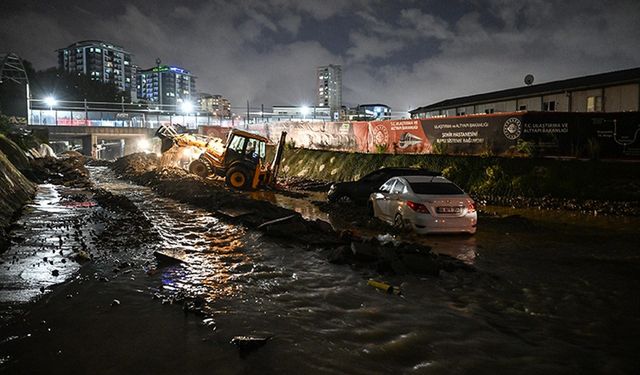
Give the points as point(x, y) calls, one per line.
point(241, 160)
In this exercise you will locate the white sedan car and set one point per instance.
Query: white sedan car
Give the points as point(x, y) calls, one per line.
point(425, 204)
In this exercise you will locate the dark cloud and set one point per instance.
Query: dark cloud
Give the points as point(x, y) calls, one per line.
point(404, 53)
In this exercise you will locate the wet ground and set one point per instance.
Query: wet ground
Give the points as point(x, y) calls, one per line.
point(551, 293)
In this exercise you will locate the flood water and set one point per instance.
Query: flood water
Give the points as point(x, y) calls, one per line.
point(551, 293)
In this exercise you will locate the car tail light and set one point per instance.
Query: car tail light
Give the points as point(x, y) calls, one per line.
point(471, 207)
point(418, 207)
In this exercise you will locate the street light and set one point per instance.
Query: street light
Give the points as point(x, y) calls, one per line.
point(186, 106)
point(305, 111)
point(50, 101)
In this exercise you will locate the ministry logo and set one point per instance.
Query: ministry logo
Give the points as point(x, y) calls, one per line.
point(512, 128)
point(380, 135)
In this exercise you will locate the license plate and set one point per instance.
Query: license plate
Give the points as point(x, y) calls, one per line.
point(448, 210)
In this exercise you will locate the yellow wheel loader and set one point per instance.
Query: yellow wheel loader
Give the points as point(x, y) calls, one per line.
point(241, 160)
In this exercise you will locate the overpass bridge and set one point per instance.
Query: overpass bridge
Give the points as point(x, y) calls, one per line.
point(108, 130)
point(98, 141)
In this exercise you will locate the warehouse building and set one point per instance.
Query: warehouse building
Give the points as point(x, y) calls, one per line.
point(617, 91)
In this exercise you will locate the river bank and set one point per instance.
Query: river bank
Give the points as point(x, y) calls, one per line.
point(590, 187)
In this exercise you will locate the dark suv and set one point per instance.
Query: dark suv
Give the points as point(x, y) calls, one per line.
point(359, 191)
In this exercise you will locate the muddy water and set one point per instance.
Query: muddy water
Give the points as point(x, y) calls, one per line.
point(548, 296)
point(42, 247)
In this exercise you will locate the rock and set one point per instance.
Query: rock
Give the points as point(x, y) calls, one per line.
point(115, 302)
point(249, 343)
point(365, 251)
point(82, 256)
point(55, 273)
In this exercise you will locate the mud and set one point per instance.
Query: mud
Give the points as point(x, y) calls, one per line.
point(276, 222)
point(541, 297)
point(68, 171)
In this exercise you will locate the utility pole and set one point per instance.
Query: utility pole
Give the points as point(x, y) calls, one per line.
point(247, 120)
point(262, 112)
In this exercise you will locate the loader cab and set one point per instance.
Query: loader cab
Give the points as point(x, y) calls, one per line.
point(245, 147)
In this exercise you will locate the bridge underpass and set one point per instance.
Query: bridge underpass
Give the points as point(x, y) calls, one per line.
point(100, 142)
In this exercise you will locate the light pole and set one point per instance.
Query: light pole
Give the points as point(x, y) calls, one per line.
point(158, 61)
point(50, 101)
point(304, 110)
point(186, 107)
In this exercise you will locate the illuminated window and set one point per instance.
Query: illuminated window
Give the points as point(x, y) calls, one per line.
point(594, 104)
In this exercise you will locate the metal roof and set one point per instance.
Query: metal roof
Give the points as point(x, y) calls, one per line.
point(585, 82)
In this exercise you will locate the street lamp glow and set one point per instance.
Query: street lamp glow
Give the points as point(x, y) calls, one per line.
point(186, 106)
point(305, 110)
point(50, 101)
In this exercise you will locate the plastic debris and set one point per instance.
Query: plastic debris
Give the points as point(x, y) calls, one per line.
point(386, 238)
point(390, 289)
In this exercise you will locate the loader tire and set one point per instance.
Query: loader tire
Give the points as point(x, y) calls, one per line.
point(200, 168)
point(238, 178)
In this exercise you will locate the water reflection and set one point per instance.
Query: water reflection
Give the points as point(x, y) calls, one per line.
point(43, 248)
point(210, 250)
point(304, 207)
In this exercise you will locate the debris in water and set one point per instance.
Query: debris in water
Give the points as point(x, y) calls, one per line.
point(249, 343)
point(166, 258)
point(390, 289)
point(275, 221)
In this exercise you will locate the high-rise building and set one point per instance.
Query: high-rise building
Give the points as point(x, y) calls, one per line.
point(216, 105)
point(166, 85)
point(330, 88)
point(101, 61)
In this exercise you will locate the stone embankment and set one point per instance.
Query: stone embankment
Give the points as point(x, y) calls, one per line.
point(15, 188)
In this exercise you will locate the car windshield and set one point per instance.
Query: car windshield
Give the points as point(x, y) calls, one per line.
point(435, 188)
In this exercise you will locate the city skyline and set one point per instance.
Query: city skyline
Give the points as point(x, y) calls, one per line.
point(405, 54)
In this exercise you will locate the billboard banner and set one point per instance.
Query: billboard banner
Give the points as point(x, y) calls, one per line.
point(608, 135)
point(398, 137)
point(542, 133)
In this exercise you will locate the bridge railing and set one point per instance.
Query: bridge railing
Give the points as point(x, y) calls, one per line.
point(76, 113)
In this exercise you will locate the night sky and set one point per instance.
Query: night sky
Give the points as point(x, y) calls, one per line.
point(402, 53)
